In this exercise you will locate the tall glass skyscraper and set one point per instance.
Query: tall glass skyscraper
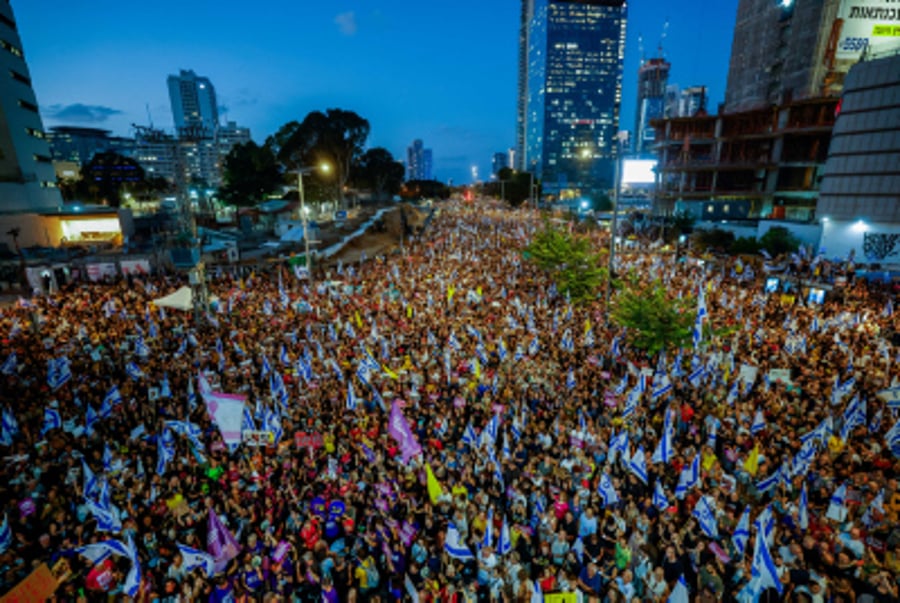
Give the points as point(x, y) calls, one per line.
point(571, 92)
point(194, 107)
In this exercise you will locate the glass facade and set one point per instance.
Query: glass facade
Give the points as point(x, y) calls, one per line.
point(574, 90)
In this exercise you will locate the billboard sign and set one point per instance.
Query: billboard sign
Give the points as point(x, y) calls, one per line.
point(871, 26)
point(638, 171)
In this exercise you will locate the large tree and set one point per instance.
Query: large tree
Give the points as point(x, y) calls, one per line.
point(570, 261)
point(379, 171)
point(250, 173)
point(656, 320)
point(336, 138)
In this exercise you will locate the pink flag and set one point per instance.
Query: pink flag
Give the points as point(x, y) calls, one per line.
point(400, 431)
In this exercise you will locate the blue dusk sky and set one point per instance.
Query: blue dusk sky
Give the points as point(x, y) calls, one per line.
point(444, 72)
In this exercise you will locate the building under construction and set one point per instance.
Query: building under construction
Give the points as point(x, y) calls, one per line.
point(753, 164)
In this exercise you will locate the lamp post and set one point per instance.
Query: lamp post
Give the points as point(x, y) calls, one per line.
point(305, 212)
point(614, 224)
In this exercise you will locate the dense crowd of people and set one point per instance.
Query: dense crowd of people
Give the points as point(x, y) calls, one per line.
point(444, 425)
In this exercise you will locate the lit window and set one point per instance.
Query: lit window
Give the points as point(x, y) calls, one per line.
point(10, 48)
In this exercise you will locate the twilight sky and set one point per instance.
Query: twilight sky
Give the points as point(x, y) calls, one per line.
point(444, 72)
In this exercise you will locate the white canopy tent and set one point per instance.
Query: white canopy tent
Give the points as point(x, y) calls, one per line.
point(183, 299)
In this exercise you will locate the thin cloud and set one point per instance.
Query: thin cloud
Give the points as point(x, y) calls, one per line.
point(81, 113)
point(346, 23)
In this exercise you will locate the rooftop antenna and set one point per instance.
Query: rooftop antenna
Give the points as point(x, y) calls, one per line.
point(662, 38)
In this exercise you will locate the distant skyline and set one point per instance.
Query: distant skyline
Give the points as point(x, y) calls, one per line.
point(442, 73)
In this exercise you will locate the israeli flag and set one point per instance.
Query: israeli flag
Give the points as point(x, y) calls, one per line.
point(607, 491)
point(488, 539)
point(504, 544)
point(763, 573)
point(696, 377)
point(617, 443)
point(759, 423)
point(502, 352)
point(107, 457)
point(567, 343)
point(266, 367)
point(469, 438)
point(52, 420)
point(765, 524)
point(6, 537)
point(247, 423)
point(837, 507)
point(638, 464)
point(570, 380)
point(741, 535)
point(534, 347)
point(689, 478)
point(453, 342)
point(614, 349)
point(680, 593)
point(165, 451)
point(455, 548)
point(704, 512)
point(134, 371)
point(193, 559)
point(9, 367)
point(283, 356)
point(520, 354)
point(272, 423)
point(732, 393)
point(660, 500)
point(10, 424)
point(182, 348)
point(107, 517)
point(191, 395)
point(664, 449)
point(140, 348)
point(589, 338)
point(351, 398)
point(804, 509)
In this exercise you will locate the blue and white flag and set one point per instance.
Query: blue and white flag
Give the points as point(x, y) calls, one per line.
point(504, 544)
point(283, 356)
point(519, 355)
point(534, 347)
point(763, 573)
point(837, 506)
point(664, 449)
point(165, 450)
point(469, 438)
point(638, 464)
point(689, 478)
point(614, 348)
point(351, 397)
point(9, 423)
point(107, 517)
point(247, 423)
point(502, 352)
point(617, 443)
point(266, 367)
point(141, 350)
point(193, 559)
point(10, 365)
point(696, 377)
point(134, 371)
point(59, 372)
point(660, 500)
point(453, 342)
point(607, 491)
point(567, 343)
point(455, 548)
point(664, 387)
point(272, 424)
point(132, 583)
point(705, 513)
point(488, 539)
point(52, 420)
point(741, 535)
point(570, 380)
point(759, 422)
point(680, 593)
point(107, 457)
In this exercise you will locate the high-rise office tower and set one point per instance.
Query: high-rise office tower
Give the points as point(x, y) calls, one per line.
point(570, 92)
point(498, 162)
point(653, 78)
point(692, 101)
point(418, 161)
point(27, 179)
point(194, 107)
point(799, 49)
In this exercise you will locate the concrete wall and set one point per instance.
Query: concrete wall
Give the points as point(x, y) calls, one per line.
point(809, 234)
point(870, 243)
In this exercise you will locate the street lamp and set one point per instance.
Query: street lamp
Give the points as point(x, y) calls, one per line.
point(304, 211)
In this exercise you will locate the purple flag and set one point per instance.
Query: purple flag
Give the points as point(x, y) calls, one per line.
point(220, 543)
point(400, 431)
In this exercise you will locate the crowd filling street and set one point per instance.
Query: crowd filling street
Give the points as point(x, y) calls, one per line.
point(443, 425)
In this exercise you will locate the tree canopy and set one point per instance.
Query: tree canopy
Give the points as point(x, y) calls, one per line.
point(104, 178)
point(377, 170)
point(655, 320)
point(250, 173)
point(570, 261)
point(336, 138)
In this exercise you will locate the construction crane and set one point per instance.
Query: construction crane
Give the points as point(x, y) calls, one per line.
point(662, 38)
point(641, 48)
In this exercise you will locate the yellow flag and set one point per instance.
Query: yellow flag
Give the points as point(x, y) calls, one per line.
point(434, 487)
point(409, 311)
point(450, 291)
point(478, 291)
point(751, 465)
point(358, 320)
point(476, 368)
point(587, 325)
point(390, 373)
point(407, 363)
